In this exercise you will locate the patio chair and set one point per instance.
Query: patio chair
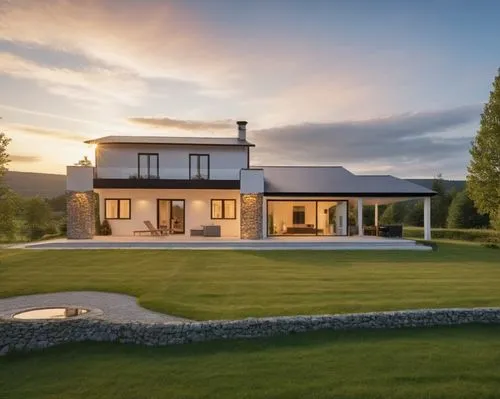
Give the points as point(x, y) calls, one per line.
point(152, 230)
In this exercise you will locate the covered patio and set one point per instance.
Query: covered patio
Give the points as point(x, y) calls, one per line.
point(321, 201)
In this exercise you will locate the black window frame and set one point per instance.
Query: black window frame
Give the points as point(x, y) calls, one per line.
point(118, 208)
point(198, 165)
point(149, 155)
point(223, 200)
point(301, 213)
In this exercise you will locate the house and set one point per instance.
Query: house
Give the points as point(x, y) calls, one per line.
point(199, 186)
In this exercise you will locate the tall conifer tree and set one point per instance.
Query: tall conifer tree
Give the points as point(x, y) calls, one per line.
point(483, 179)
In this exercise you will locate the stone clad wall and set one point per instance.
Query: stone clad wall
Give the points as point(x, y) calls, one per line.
point(18, 335)
point(80, 214)
point(251, 216)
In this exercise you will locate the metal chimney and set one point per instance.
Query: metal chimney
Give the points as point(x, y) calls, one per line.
point(242, 130)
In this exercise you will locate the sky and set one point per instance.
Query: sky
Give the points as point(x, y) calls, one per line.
point(382, 87)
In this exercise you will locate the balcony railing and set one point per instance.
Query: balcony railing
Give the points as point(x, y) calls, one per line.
point(165, 173)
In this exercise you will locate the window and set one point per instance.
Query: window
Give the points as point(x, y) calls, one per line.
point(299, 215)
point(117, 209)
point(199, 166)
point(223, 209)
point(148, 167)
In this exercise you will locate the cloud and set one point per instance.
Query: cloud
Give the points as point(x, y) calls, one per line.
point(90, 84)
point(397, 144)
point(48, 132)
point(169, 44)
point(49, 115)
point(165, 122)
point(24, 158)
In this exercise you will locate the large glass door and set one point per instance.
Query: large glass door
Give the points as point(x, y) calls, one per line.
point(171, 215)
point(306, 217)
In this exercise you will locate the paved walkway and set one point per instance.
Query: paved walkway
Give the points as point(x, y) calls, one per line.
point(278, 243)
point(114, 307)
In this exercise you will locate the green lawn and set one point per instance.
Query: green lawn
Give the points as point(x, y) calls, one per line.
point(235, 284)
point(457, 362)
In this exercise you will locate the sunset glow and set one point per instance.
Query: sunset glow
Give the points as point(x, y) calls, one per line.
point(380, 87)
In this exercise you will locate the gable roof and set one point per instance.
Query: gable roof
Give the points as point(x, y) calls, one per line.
point(168, 140)
point(335, 180)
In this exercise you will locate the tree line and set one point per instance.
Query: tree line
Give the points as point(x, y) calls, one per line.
point(452, 209)
point(27, 218)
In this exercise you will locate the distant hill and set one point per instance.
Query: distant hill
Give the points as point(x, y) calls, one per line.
point(48, 185)
point(29, 184)
point(458, 185)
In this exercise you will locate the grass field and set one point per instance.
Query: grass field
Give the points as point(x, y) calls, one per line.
point(406, 364)
point(235, 284)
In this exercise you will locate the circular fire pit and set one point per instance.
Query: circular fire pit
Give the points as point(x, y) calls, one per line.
point(50, 313)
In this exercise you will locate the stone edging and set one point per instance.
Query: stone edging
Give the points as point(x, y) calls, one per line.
point(25, 336)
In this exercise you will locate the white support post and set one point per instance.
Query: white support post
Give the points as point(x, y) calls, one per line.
point(264, 218)
point(376, 215)
point(360, 217)
point(427, 218)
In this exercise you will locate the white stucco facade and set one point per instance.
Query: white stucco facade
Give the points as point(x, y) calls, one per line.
point(144, 207)
point(120, 161)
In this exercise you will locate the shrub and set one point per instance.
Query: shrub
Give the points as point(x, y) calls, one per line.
point(9, 208)
point(63, 225)
point(105, 228)
point(474, 235)
point(463, 215)
point(51, 229)
point(35, 232)
point(431, 244)
point(38, 216)
point(490, 245)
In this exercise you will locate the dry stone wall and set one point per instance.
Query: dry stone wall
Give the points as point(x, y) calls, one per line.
point(80, 214)
point(251, 216)
point(30, 335)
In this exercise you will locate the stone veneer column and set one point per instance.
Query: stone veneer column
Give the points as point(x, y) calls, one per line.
point(80, 214)
point(251, 216)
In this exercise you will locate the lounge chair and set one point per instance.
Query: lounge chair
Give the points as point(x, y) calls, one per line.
point(152, 230)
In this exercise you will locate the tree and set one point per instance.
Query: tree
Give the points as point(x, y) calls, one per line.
point(439, 203)
point(9, 202)
point(37, 215)
point(414, 213)
point(4, 156)
point(483, 178)
point(9, 209)
point(463, 215)
point(394, 213)
point(84, 162)
point(58, 204)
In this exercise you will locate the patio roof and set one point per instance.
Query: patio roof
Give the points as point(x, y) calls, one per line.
point(335, 181)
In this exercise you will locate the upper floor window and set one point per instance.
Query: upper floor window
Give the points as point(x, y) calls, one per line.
point(148, 167)
point(199, 166)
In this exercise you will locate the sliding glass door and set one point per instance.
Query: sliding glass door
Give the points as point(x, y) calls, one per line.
point(306, 217)
point(171, 215)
